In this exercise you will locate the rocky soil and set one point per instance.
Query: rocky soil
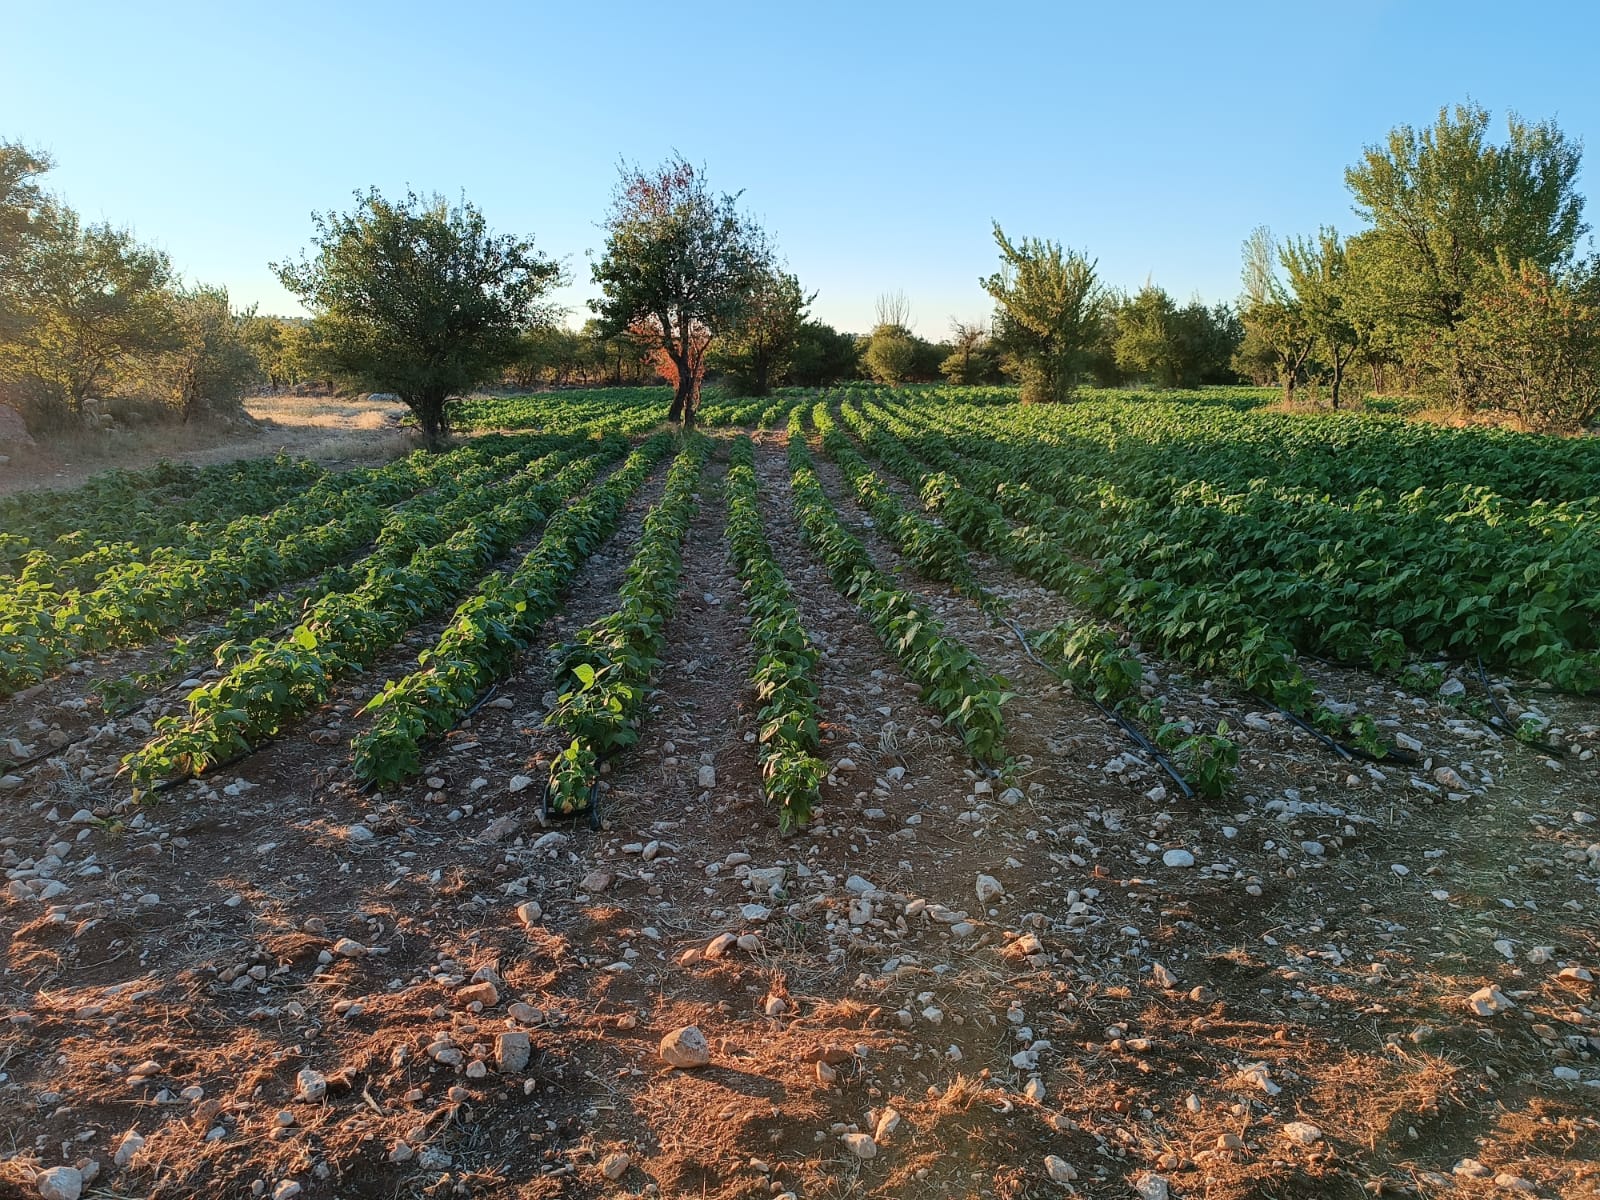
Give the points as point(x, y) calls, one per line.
point(1345, 979)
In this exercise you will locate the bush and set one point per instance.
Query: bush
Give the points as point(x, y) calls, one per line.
point(1532, 343)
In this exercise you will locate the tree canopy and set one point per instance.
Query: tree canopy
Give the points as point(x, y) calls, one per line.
point(419, 298)
point(680, 261)
point(1046, 316)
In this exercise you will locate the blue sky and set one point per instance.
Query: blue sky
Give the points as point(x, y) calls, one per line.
point(876, 141)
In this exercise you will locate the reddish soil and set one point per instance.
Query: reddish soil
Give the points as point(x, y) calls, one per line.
point(1288, 1016)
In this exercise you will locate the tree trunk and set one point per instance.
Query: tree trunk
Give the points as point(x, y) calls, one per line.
point(430, 417)
point(683, 400)
point(1338, 379)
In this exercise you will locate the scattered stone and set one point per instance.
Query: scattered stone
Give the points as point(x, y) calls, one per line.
point(989, 888)
point(1178, 858)
point(349, 948)
point(888, 1122)
point(1302, 1133)
point(60, 1183)
point(484, 993)
point(860, 1144)
point(1489, 1001)
point(1163, 977)
point(720, 945)
point(311, 1086)
point(1059, 1170)
point(1034, 1090)
point(686, 1047)
point(615, 1165)
point(287, 1190)
point(132, 1142)
point(595, 881)
point(706, 777)
point(512, 1050)
point(1514, 1183)
point(519, 783)
point(530, 913)
point(1152, 1187)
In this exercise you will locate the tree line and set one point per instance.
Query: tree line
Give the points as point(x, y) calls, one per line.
point(88, 312)
point(1466, 286)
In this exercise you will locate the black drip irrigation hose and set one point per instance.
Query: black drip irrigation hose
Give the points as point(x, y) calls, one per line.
point(1339, 748)
point(166, 785)
point(592, 808)
point(1543, 745)
point(1133, 735)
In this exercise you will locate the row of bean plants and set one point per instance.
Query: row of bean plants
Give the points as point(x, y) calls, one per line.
point(1155, 443)
point(624, 410)
point(492, 627)
point(1368, 585)
point(1210, 636)
point(280, 681)
point(954, 681)
point(604, 676)
point(1085, 654)
point(40, 630)
point(788, 736)
point(41, 544)
point(932, 549)
point(146, 504)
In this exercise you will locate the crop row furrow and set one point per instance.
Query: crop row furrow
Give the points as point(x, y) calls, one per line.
point(782, 677)
point(491, 627)
point(604, 675)
point(280, 681)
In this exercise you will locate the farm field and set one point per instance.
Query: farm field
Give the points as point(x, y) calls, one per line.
point(1132, 797)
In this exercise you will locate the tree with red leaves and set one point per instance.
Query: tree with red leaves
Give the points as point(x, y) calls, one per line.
point(680, 266)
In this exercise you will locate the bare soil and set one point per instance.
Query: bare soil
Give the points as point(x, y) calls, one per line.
point(329, 430)
point(1288, 1016)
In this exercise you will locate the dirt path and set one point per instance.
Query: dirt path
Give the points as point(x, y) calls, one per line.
point(331, 431)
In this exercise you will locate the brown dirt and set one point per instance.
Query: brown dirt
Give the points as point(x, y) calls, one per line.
point(193, 930)
point(325, 429)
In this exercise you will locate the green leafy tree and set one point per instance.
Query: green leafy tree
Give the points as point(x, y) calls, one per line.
point(89, 298)
point(1325, 286)
point(756, 355)
point(822, 355)
point(21, 203)
point(891, 354)
point(208, 363)
point(278, 344)
point(1172, 346)
point(1046, 317)
point(1533, 337)
point(1278, 339)
point(971, 359)
point(418, 298)
point(1446, 204)
point(680, 261)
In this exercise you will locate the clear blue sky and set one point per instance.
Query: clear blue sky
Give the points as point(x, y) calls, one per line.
point(876, 141)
